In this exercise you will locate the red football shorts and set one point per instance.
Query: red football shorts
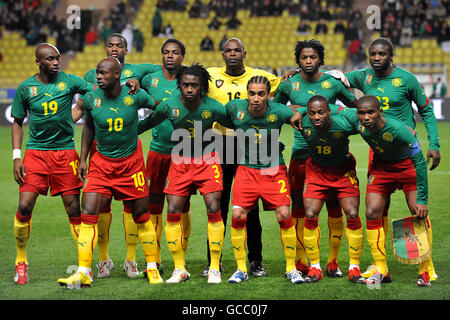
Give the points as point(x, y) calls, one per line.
point(386, 177)
point(297, 169)
point(156, 170)
point(321, 180)
point(271, 185)
point(51, 169)
point(186, 175)
point(123, 178)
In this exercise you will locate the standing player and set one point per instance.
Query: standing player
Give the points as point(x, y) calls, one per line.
point(309, 56)
point(116, 169)
point(162, 85)
point(262, 173)
point(50, 160)
point(396, 89)
point(398, 163)
point(228, 83)
point(331, 168)
point(117, 47)
point(193, 167)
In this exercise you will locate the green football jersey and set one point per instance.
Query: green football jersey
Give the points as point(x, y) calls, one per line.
point(395, 142)
point(160, 89)
point(329, 147)
point(193, 123)
point(49, 107)
point(298, 91)
point(129, 71)
point(396, 93)
point(116, 120)
point(256, 152)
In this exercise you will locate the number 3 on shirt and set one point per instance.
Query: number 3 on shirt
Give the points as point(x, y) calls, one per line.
point(384, 101)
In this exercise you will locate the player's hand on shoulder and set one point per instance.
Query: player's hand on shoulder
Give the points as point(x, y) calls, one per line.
point(134, 86)
point(296, 121)
point(337, 74)
point(289, 74)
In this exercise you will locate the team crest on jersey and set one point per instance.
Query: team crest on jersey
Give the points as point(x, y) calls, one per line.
point(61, 86)
point(219, 83)
point(128, 101)
point(97, 102)
point(307, 132)
point(361, 128)
point(127, 73)
point(396, 82)
point(325, 84)
point(296, 86)
point(175, 112)
point(338, 134)
point(206, 114)
point(240, 115)
point(155, 82)
point(272, 118)
point(33, 91)
point(370, 179)
point(387, 137)
point(368, 79)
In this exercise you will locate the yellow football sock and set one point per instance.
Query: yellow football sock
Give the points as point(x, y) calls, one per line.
point(429, 261)
point(186, 224)
point(174, 237)
point(299, 224)
point(239, 241)
point(157, 220)
point(376, 240)
point(147, 237)
point(355, 238)
point(311, 238)
point(215, 232)
point(75, 231)
point(22, 232)
point(336, 228)
point(131, 235)
point(87, 240)
point(386, 230)
point(288, 239)
point(104, 226)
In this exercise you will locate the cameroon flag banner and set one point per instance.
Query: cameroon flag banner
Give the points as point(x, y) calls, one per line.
point(410, 240)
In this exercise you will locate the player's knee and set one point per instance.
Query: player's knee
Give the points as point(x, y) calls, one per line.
point(25, 208)
point(372, 213)
point(73, 208)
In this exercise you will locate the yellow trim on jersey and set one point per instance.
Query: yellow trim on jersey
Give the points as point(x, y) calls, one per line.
point(224, 88)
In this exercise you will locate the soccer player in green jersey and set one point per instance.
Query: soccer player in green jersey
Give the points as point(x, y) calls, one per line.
point(132, 74)
point(116, 169)
point(50, 161)
point(397, 89)
point(310, 56)
point(162, 85)
point(330, 169)
point(229, 82)
point(261, 173)
point(398, 163)
point(193, 165)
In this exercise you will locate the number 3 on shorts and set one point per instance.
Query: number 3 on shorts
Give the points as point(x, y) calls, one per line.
point(216, 171)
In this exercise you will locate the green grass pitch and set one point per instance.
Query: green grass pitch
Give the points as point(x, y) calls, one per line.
point(51, 248)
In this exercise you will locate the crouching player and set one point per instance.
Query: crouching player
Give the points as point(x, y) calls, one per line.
point(398, 163)
point(192, 167)
point(116, 169)
point(260, 174)
point(331, 168)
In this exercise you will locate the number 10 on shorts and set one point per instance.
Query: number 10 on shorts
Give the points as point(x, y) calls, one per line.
point(139, 179)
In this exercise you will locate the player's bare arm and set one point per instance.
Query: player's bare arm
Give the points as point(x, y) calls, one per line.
point(87, 138)
point(17, 138)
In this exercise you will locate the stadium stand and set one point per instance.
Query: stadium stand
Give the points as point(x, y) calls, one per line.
point(269, 40)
